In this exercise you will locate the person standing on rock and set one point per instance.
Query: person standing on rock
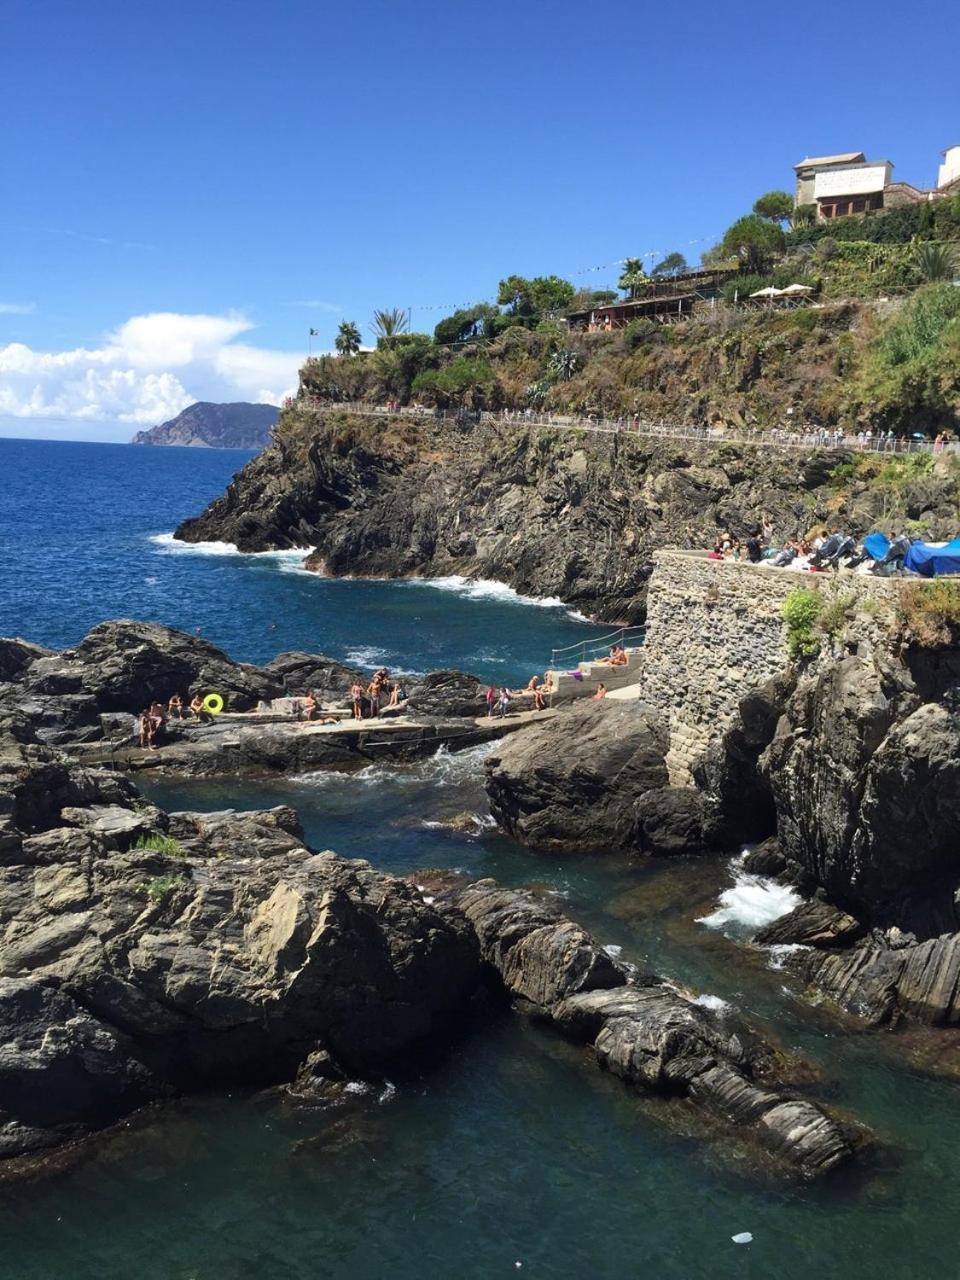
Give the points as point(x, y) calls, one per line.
point(491, 700)
point(356, 696)
point(504, 703)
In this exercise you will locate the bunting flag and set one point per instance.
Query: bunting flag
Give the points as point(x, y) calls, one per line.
point(314, 333)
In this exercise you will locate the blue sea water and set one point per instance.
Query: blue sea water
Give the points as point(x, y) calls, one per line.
point(514, 1156)
point(86, 534)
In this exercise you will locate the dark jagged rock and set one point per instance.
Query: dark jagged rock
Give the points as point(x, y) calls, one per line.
point(887, 976)
point(447, 694)
point(644, 1030)
point(729, 773)
point(145, 955)
point(551, 512)
point(766, 859)
point(122, 667)
point(594, 778)
point(17, 655)
point(672, 821)
point(866, 781)
point(300, 673)
point(811, 924)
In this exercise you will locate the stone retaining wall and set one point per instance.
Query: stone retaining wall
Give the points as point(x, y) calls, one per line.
point(715, 629)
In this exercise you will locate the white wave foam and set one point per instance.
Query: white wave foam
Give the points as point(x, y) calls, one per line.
point(170, 545)
point(388, 1092)
point(750, 903)
point(778, 954)
point(444, 768)
point(713, 1003)
point(613, 951)
point(485, 589)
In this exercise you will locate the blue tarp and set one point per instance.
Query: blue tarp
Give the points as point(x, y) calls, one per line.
point(876, 545)
point(932, 560)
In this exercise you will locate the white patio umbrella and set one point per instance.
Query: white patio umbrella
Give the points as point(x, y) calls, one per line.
point(797, 288)
point(768, 292)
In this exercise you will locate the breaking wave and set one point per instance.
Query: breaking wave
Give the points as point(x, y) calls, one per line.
point(750, 903)
point(444, 769)
point(170, 545)
point(484, 589)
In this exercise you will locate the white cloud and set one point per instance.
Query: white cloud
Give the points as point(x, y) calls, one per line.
point(147, 370)
point(17, 308)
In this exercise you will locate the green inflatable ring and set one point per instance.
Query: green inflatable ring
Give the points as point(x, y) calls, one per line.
point(213, 703)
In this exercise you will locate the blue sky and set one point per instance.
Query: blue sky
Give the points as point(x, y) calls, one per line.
point(187, 188)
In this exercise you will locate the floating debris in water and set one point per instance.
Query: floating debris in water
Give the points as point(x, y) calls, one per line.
point(742, 1237)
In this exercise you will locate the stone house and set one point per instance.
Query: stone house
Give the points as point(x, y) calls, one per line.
point(849, 183)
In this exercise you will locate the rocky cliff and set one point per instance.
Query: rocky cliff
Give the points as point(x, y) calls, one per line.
point(550, 511)
point(214, 426)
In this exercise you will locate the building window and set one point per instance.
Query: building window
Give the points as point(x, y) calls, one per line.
point(859, 205)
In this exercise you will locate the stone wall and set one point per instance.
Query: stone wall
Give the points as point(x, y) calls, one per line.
point(715, 629)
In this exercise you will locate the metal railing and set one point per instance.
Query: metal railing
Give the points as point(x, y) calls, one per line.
point(593, 647)
point(807, 439)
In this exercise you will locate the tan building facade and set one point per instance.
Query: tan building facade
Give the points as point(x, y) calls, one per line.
point(849, 183)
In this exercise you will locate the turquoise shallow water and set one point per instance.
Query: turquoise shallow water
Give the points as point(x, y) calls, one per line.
point(515, 1149)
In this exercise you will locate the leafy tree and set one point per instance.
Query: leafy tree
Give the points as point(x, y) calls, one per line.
point(775, 206)
point(347, 340)
point(388, 323)
point(398, 361)
point(935, 261)
point(674, 264)
point(754, 240)
point(632, 278)
point(469, 322)
point(532, 299)
point(462, 382)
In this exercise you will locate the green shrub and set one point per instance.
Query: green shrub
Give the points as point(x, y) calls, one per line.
point(801, 609)
point(930, 612)
point(160, 887)
point(166, 845)
point(833, 617)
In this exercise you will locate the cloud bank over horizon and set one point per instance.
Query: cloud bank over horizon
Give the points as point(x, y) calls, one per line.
point(147, 370)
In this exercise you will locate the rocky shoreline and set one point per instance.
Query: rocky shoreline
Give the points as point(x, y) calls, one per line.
point(550, 512)
point(148, 954)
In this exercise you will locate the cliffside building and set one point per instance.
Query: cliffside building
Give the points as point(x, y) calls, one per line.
point(849, 183)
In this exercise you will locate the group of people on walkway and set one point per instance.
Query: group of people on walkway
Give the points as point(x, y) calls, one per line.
point(152, 720)
point(499, 700)
point(367, 701)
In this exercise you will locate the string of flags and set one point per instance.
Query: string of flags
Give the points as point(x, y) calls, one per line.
point(449, 307)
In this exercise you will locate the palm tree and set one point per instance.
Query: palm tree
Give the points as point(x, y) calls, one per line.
point(348, 339)
point(632, 277)
point(935, 261)
point(387, 324)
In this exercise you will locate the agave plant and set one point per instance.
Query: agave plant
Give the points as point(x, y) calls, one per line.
point(388, 323)
point(935, 261)
point(563, 364)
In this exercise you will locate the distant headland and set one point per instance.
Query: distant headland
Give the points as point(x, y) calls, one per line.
point(215, 426)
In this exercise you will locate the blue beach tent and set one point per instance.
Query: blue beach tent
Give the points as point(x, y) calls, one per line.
point(931, 559)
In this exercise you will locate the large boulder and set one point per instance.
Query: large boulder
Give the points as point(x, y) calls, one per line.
point(300, 673)
point(122, 667)
point(145, 954)
point(865, 778)
point(593, 778)
point(448, 694)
